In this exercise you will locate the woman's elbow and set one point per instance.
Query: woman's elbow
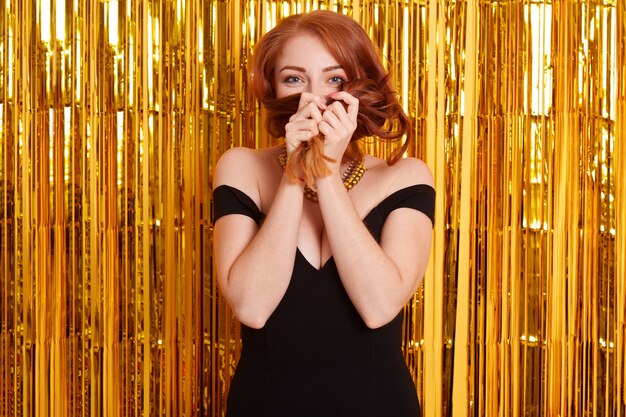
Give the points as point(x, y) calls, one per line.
point(379, 319)
point(252, 319)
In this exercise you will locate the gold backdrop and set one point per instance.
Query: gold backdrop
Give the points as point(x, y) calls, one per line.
point(113, 114)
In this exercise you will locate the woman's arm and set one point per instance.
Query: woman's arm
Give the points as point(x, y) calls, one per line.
point(254, 264)
point(379, 278)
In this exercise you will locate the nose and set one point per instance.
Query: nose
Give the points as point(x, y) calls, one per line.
point(316, 88)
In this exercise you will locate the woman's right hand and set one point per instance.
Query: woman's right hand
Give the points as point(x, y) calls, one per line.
point(302, 125)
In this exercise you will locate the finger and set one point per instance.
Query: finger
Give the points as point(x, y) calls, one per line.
point(351, 101)
point(295, 139)
point(309, 111)
point(302, 125)
point(338, 130)
point(325, 129)
point(338, 108)
point(308, 98)
point(333, 115)
point(301, 136)
point(338, 119)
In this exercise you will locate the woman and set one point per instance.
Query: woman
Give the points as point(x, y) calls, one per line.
point(317, 267)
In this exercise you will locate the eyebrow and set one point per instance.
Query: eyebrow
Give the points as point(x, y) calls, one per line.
point(301, 69)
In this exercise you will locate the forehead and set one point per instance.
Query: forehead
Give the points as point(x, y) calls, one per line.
point(304, 50)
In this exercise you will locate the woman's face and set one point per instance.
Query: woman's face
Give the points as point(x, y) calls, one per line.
point(305, 65)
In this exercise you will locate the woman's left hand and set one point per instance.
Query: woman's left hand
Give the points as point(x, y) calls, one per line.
point(339, 121)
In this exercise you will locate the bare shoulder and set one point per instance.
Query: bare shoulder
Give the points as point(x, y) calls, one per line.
point(228, 169)
point(243, 168)
point(404, 173)
point(412, 171)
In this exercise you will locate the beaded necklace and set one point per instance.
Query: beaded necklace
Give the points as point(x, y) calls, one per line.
point(350, 177)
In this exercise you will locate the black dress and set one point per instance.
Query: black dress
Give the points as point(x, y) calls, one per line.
point(315, 356)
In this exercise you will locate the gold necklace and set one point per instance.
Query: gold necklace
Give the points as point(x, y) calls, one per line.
point(350, 177)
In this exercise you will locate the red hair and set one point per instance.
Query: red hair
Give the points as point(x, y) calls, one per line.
point(380, 112)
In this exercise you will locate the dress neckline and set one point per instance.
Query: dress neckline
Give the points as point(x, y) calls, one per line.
point(377, 206)
point(330, 260)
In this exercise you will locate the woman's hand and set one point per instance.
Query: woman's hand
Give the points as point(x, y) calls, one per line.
point(303, 125)
point(339, 121)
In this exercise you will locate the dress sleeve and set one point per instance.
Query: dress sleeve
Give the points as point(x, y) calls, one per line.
point(230, 200)
point(420, 197)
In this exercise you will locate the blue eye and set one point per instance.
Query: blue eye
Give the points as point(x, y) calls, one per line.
point(292, 79)
point(336, 80)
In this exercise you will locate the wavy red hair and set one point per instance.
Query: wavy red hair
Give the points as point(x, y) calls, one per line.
point(380, 112)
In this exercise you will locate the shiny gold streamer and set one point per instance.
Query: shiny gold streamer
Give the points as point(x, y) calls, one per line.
point(114, 113)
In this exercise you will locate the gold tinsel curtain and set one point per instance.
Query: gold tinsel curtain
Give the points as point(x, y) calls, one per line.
point(113, 114)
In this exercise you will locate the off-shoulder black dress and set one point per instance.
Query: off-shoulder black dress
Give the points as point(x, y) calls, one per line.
point(315, 356)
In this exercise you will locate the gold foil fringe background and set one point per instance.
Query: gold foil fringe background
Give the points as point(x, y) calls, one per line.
point(113, 114)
